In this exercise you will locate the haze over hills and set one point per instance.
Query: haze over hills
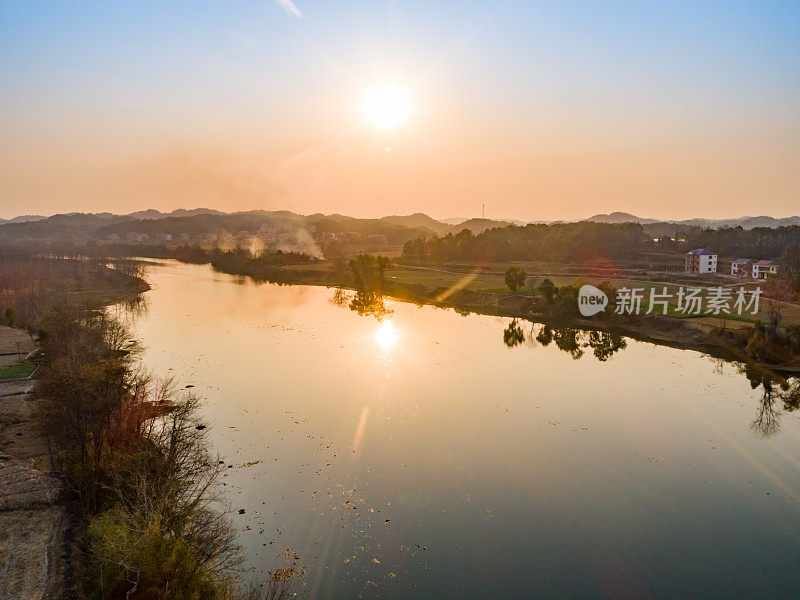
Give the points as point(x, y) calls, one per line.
point(202, 220)
point(150, 213)
point(744, 222)
point(396, 228)
point(23, 219)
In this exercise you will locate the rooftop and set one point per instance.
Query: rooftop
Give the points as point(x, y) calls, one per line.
point(702, 251)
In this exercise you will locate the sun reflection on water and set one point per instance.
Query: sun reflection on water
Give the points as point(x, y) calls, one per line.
point(386, 335)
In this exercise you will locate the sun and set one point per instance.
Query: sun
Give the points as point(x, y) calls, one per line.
point(386, 106)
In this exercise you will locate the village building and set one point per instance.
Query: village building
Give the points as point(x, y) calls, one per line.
point(764, 268)
point(741, 267)
point(700, 261)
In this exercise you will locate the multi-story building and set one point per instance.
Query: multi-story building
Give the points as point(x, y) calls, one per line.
point(700, 261)
point(764, 268)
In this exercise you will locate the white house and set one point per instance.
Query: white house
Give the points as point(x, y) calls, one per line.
point(764, 268)
point(741, 267)
point(700, 261)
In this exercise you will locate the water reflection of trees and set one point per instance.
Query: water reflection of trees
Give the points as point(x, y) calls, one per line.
point(513, 334)
point(776, 390)
point(363, 302)
point(130, 309)
point(767, 419)
point(369, 303)
point(573, 341)
point(368, 275)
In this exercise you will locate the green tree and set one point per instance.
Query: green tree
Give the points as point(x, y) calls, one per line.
point(369, 272)
point(515, 278)
point(547, 289)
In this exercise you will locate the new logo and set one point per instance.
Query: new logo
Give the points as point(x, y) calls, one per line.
point(591, 300)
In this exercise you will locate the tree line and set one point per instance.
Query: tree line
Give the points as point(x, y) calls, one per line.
point(763, 243)
point(561, 242)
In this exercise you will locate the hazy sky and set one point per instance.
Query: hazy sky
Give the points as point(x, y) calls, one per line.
point(541, 110)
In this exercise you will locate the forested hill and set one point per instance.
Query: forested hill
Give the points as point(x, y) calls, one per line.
point(80, 227)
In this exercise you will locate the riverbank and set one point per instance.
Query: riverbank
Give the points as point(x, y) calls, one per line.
point(34, 518)
point(480, 293)
point(719, 339)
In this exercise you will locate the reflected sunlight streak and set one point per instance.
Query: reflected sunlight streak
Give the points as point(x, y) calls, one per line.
point(362, 425)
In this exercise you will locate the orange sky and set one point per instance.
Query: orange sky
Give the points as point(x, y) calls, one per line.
point(121, 116)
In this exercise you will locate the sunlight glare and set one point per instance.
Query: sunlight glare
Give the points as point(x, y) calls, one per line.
point(387, 335)
point(386, 106)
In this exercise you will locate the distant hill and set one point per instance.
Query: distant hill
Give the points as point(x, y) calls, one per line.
point(81, 228)
point(68, 227)
point(477, 226)
point(620, 217)
point(152, 213)
point(419, 220)
point(23, 219)
point(395, 228)
point(743, 222)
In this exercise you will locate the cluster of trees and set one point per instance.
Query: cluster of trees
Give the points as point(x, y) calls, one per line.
point(368, 274)
point(769, 342)
point(267, 258)
point(561, 303)
point(763, 243)
point(791, 262)
point(561, 242)
point(265, 266)
point(32, 287)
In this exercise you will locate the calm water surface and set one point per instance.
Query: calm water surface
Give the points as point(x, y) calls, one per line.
point(426, 459)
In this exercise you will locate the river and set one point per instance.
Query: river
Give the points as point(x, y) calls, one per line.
point(422, 457)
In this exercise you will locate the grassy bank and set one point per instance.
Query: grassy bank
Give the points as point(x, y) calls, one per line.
point(18, 371)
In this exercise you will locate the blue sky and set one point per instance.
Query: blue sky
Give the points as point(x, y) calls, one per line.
point(495, 83)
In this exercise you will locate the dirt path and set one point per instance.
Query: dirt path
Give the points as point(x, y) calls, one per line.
point(32, 520)
point(14, 342)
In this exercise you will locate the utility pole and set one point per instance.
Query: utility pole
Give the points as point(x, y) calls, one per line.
point(483, 210)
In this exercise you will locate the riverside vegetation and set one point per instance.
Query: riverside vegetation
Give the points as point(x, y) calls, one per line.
point(132, 452)
point(773, 341)
point(139, 477)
